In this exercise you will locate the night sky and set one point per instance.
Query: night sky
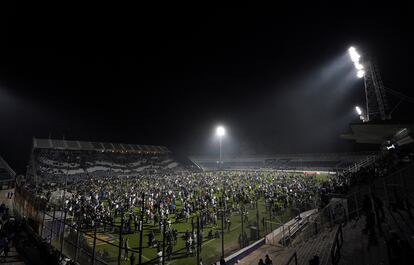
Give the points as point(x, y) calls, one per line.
point(279, 79)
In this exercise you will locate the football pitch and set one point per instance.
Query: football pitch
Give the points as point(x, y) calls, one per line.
point(210, 249)
point(257, 215)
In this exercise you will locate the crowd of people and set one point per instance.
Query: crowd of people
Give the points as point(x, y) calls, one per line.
point(267, 261)
point(172, 196)
point(168, 196)
point(50, 164)
point(103, 199)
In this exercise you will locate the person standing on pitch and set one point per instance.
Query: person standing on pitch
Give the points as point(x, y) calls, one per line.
point(132, 259)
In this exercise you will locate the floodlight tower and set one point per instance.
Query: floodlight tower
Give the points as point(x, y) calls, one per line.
point(376, 101)
point(220, 132)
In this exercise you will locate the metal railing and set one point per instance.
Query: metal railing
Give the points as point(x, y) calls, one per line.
point(294, 257)
point(396, 185)
point(302, 229)
point(99, 243)
point(336, 246)
point(364, 162)
point(323, 220)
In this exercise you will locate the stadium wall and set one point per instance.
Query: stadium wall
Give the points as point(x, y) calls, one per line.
point(233, 259)
point(326, 162)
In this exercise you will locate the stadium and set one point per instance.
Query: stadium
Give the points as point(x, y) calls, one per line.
point(205, 163)
point(83, 198)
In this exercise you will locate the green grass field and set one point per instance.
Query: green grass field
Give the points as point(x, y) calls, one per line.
point(211, 249)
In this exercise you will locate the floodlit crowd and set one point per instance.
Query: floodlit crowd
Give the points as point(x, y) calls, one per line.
point(50, 164)
point(174, 196)
point(177, 195)
point(92, 199)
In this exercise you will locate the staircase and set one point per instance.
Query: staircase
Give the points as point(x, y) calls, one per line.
point(316, 246)
point(13, 258)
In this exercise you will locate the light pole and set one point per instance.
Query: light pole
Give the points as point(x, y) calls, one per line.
point(220, 132)
point(222, 226)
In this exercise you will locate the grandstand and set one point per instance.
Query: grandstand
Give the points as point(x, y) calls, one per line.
point(374, 214)
point(57, 160)
point(98, 146)
point(327, 162)
point(252, 206)
point(103, 181)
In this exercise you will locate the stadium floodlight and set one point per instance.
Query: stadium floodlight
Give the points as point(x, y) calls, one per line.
point(358, 110)
point(360, 73)
point(220, 131)
point(360, 113)
point(355, 57)
point(359, 66)
point(354, 54)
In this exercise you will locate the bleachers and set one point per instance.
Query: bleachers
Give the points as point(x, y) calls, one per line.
point(97, 146)
point(357, 249)
point(389, 240)
point(305, 250)
point(61, 159)
point(312, 162)
point(319, 246)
